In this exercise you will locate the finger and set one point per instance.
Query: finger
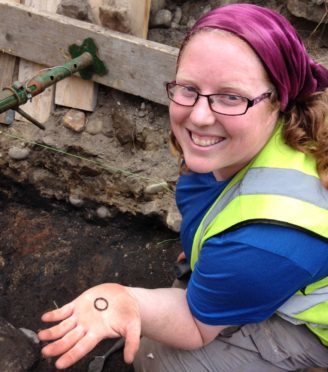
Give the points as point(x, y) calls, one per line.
point(58, 314)
point(58, 330)
point(132, 342)
point(77, 352)
point(67, 342)
point(181, 256)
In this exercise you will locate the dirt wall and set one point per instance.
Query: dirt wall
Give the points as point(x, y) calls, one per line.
point(118, 157)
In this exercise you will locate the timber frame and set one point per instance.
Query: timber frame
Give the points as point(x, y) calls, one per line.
point(136, 66)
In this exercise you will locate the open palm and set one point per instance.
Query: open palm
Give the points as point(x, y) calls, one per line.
point(82, 326)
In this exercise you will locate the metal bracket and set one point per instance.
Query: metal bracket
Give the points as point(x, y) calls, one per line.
point(97, 67)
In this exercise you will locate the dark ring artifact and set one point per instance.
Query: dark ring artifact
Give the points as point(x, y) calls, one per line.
point(100, 304)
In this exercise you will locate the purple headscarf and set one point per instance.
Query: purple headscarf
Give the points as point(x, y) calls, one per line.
point(292, 71)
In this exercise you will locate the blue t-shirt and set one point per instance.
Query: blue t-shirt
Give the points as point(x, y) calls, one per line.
point(243, 276)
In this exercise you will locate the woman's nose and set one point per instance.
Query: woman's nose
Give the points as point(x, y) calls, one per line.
point(201, 113)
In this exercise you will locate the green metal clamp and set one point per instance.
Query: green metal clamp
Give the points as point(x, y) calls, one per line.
point(85, 61)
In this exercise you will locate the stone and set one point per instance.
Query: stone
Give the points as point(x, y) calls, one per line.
point(191, 22)
point(162, 18)
point(39, 175)
point(103, 212)
point(31, 335)
point(108, 129)
point(150, 208)
point(173, 219)
point(78, 9)
point(76, 201)
point(17, 352)
point(142, 113)
point(75, 120)
point(18, 153)
point(94, 126)
point(311, 10)
point(124, 128)
point(115, 18)
point(156, 188)
point(157, 5)
point(49, 141)
point(177, 16)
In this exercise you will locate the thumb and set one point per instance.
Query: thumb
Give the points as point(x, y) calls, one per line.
point(132, 342)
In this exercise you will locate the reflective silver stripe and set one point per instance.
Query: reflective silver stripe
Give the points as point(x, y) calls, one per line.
point(299, 303)
point(296, 184)
point(298, 321)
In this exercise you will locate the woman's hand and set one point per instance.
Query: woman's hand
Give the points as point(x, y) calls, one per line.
point(82, 326)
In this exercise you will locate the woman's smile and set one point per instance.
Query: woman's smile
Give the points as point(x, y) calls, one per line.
point(205, 141)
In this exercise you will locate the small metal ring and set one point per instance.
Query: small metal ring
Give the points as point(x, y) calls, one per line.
point(100, 304)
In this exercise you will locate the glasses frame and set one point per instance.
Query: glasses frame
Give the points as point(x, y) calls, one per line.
point(250, 102)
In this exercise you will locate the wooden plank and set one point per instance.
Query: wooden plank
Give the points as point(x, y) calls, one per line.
point(136, 66)
point(94, 6)
point(7, 68)
point(76, 93)
point(41, 106)
point(139, 14)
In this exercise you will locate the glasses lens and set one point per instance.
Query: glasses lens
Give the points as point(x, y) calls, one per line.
point(181, 94)
point(228, 104)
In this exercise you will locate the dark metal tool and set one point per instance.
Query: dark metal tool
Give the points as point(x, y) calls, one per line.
point(98, 362)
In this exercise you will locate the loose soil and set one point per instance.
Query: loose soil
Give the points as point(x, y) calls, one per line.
point(50, 254)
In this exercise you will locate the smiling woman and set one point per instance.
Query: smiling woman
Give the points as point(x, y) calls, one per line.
point(248, 112)
point(211, 142)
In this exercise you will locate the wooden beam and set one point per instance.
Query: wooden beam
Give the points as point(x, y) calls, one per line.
point(7, 68)
point(136, 66)
point(140, 23)
point(94, 7)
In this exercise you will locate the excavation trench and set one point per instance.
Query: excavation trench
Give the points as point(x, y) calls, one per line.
point(50, 253)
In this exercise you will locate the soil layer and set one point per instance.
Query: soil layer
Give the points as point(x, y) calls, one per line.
point(50, 254)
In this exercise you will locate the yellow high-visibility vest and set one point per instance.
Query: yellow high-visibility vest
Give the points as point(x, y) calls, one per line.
point(279, 186)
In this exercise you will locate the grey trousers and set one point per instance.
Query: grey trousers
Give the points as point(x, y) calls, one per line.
point(271, 346)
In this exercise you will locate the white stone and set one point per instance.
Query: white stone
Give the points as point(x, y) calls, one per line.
point(103, 212)
point(76, 201)
point(173, 219)
point(18, 153)
point(156, 188)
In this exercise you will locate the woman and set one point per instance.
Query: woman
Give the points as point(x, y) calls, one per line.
point(248, 114)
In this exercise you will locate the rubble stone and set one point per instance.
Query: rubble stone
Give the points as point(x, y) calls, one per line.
point(311, 10)
point(74, 120)
point(17, 352)
point(18, 153)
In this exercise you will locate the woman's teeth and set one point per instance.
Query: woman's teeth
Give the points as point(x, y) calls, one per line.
point(205, 141)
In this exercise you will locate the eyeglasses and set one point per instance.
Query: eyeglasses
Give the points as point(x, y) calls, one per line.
point(225, 104)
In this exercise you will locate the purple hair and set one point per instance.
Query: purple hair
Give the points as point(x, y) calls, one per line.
point(292, 71)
